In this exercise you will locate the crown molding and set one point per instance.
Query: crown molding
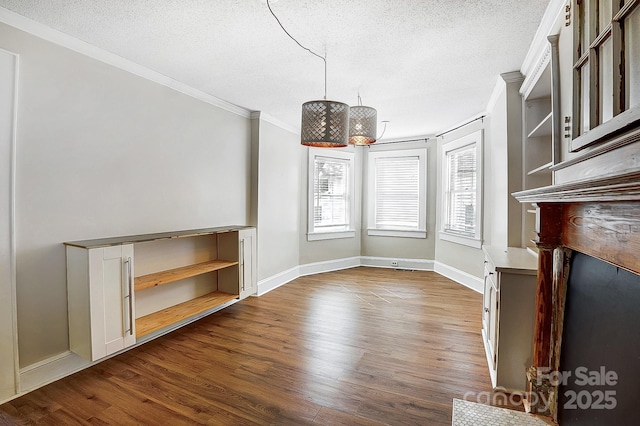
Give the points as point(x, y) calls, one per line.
point(260, 115)
point(56, 37)
point(551, 23)
point(536, 71)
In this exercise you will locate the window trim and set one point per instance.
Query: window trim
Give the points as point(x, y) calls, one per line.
point(349, 156)
point(421, 232)
point(470, 139)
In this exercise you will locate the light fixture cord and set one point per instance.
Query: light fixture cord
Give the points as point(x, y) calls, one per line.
point(305, 48)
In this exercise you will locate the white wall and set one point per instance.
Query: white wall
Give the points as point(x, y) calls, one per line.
point(102, 152)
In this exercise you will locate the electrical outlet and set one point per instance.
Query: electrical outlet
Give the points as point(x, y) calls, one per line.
point(394, 263)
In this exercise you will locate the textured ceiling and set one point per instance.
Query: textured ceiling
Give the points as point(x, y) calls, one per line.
point(426, 65)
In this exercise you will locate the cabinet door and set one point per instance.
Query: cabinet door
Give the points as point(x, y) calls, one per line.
point(112, 304)
point(248, 279)
point(494, 315)
point(490, 312)
point(486, 305)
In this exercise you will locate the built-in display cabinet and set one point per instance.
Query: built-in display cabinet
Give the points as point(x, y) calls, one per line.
point(126, 290)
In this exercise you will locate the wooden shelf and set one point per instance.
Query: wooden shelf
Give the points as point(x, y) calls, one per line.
point(166, 317)
point(171, 275)
point(544, 128)
point(542, 169)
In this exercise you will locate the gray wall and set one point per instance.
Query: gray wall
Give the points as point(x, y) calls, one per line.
point(102, 152)
point(323, 250)
point(503, 166)
point(279, 191)
point(407, 248)
point(458, 256)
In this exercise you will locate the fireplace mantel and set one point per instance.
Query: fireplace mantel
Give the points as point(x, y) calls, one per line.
point(593, 208)
point(625, 187)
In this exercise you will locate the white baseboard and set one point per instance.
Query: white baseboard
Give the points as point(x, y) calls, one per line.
point(277, 280)
point(470, 281)
point(461, 277)
point(385, 262)
point(280, 279)
point(49, 370)
point(329, 265)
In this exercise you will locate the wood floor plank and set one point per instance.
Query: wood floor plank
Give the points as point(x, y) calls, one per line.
point(363, 346)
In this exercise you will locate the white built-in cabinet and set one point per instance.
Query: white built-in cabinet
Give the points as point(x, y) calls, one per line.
point(508, 314)
point(126, 290)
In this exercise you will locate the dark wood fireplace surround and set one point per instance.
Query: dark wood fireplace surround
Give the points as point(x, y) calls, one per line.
point(593, 208)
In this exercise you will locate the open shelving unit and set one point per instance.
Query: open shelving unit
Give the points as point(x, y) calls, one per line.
point(537, 149)
point(540, 134)
point(156, 321)
point(177, 274)
point(135, 288)
point(181, 311)
point(543, 129)
point(544, 169)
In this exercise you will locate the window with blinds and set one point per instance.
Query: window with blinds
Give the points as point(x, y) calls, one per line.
point(461, 216)
point(397, 197)
point(330, 194)
point(461, 191)
point(397, 192)
point(331, 186)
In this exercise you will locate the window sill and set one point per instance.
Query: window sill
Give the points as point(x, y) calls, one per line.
point(459, 239)
point(396, 233)
point(317, 236)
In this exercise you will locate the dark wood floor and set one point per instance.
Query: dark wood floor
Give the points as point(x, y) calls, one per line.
point(354, 347)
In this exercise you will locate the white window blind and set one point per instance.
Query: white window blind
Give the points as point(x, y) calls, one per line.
point(330, 194)
point(461, 191)
point(397, 192)
point(397, 200)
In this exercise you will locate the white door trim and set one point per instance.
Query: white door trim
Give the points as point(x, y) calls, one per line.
point(7, 221)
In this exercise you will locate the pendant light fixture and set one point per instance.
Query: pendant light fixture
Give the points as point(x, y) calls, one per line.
point(325, 123)
point(363, 121)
